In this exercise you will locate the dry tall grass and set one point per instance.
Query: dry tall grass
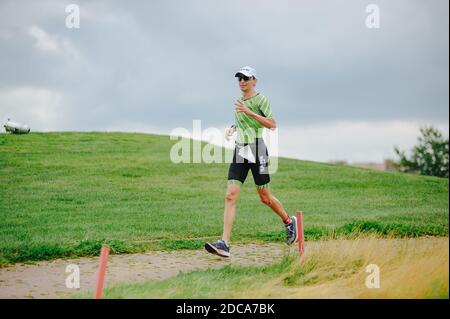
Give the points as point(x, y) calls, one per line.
point(409, 268)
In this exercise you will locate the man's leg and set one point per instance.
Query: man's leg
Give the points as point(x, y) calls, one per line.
point(267, 198)
point(290, 222)
point(260, 171)
point(236, 176)
point(230, 210)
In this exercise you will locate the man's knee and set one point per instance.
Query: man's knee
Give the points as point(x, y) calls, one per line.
point(231, 195)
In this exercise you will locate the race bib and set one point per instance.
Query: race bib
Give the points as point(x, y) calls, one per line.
point(246, 152)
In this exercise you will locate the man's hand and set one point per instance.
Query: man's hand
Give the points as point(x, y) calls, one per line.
point(241, 107)
point(229, 132)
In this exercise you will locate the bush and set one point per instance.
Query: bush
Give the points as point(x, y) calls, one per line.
point(429, 157)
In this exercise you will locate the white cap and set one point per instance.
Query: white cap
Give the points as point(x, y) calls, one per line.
point(247, 71)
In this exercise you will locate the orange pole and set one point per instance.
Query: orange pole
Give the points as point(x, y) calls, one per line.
point(101, 271)
point(301, 235)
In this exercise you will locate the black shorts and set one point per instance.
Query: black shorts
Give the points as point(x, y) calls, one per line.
point(260, 167)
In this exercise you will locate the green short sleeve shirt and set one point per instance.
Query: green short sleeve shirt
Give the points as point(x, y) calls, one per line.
point(248, 129)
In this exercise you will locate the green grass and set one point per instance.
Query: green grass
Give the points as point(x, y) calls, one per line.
point(210, 283)
point(64, 194)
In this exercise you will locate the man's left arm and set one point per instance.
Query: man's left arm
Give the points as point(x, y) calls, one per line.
point(268, 122)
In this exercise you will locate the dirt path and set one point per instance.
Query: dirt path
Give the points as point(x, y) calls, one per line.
point(48, 279)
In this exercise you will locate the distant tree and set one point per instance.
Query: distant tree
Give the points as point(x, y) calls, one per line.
point(429, 157)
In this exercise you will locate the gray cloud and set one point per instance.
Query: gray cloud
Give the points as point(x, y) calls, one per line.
point(164, 63)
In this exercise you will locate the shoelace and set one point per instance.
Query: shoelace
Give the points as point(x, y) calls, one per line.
point(222, 243)
point(289, 230)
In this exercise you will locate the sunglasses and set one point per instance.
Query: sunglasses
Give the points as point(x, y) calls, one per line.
point(241, 77)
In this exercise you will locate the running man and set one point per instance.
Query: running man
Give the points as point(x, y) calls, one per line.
point(252, 114)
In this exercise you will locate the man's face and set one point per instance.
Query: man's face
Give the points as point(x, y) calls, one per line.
point(246, 83)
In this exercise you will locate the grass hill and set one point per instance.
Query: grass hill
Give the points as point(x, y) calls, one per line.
point(64, 194)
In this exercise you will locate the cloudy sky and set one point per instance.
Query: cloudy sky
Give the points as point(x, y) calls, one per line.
point(339, 90)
